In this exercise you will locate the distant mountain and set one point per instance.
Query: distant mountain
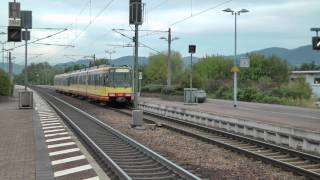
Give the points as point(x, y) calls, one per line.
point(17, 69)
point(122, 61)
point(128, 61)
point(71, 63)
point(295, 57)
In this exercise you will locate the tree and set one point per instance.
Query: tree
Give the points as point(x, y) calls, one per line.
point(211, 71)
point(4, 84)
point(262, 66)
point(155, 72)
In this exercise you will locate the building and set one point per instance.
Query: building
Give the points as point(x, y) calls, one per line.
point(311, 77)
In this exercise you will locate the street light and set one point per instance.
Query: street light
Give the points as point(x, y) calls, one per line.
point(169, 40)
point(3, 43)
point(110, 52)
point(235, 13)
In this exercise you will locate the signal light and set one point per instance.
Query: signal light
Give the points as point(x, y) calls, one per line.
point(14, 34)
point(316, 43)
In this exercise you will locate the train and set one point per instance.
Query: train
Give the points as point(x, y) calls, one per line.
point(106, 84)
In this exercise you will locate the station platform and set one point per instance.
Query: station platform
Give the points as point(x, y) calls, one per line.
point(36, 144)
point(278, 115)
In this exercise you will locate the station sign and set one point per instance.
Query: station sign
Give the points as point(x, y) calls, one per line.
point(244, 62)
point(140, 75)
point(14, 22)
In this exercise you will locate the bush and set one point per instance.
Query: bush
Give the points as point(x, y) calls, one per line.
point(248, 94)
point(5, 88)
point(152, 88)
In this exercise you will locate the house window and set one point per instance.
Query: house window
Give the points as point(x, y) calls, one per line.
point(316, 80)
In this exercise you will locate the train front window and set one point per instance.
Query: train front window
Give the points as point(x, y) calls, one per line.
point(122, 78)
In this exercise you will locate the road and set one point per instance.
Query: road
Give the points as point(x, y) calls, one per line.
point(287, 116)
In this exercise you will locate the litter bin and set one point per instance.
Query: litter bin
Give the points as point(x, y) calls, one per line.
point(25, 100)
point(201, 96)
point(190, 96)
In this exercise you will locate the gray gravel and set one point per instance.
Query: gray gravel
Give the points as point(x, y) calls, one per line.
point(208, 160)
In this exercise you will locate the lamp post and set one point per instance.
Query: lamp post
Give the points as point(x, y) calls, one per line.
point(235, 83)
point(169, 63)
point(110, 52)
point(3, 43)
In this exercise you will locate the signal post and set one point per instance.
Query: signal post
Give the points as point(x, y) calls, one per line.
point(136, 19)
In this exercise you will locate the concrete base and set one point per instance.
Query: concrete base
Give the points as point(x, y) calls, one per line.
point(137, 118)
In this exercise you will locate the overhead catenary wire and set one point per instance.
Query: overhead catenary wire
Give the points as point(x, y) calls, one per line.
point(138, 42)
point(40, 39)
point(199, 13)
point(86, 27)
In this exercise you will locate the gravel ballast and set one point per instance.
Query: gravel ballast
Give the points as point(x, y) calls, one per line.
point(207, 160)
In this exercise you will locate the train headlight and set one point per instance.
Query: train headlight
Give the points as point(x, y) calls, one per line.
point(128, 95)
point(112, 94)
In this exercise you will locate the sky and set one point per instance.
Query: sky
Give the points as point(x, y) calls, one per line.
point(269, 23)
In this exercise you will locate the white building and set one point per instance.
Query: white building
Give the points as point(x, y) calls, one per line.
point(311, 77)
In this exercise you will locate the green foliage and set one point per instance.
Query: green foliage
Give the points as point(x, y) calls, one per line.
point(308, 67)
point(260, 66)
point(298, 89)
point(265, 81)
point(5, 88)
point(155, 72)
point(41, 73)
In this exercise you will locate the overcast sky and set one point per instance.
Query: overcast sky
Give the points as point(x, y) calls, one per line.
point(270, 23)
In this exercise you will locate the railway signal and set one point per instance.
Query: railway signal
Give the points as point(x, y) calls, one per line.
point(316, 39)
point(14, 26)
point(192, 50)
point(316, 43)
point(14, 34)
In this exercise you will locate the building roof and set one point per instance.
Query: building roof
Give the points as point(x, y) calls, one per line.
point(305, 72)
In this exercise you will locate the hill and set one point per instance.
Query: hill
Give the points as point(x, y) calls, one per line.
point(17, 69)
point(295, 57)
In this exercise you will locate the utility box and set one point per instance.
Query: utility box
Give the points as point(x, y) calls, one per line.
point(137, 118)
point(25, 100)
point(190, 96)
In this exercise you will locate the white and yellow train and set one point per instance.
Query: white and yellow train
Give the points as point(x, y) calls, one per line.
point(104, 84)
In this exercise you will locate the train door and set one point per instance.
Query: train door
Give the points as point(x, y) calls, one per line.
point(86, 83)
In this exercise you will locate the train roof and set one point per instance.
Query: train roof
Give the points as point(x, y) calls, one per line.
point(92, 69)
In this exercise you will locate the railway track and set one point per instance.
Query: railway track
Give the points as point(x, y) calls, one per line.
point(298, 162)
point(121, 156)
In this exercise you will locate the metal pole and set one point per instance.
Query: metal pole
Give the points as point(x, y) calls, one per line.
point(26, 63)
point(136, 63)
point(10, 69)
point(169, 75)
point(2, 55)
point(235, 83)
point(191, 69)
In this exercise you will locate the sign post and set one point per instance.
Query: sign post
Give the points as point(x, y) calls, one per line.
point(136, 19)
point(26, 23)
point(192, 50)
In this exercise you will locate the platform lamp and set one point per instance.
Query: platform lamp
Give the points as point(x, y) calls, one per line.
point(235, 83)
point(3, 43)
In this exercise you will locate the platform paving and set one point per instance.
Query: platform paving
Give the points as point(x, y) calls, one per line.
point(283, 116)
point(31, 147)
point(17, 145)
